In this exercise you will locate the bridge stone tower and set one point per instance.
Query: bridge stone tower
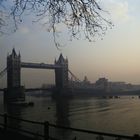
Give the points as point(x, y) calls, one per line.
point(61, 74)
point(14, 90)
point(13, 70)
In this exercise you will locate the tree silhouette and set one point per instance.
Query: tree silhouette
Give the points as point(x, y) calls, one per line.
point(79, 16)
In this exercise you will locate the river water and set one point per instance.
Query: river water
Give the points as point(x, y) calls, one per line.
point(119, 116)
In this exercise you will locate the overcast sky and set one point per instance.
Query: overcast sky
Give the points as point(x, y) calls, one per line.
point(116, 57)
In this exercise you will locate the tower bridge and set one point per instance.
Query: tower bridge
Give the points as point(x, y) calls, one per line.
point(15, 91)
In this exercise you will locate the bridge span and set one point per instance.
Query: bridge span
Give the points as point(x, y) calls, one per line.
point(33, 89)
point(15, 90)
point(40, 65)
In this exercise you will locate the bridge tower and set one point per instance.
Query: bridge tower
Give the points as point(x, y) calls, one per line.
point(61, 74)
point(14, 90)
point(13, 70)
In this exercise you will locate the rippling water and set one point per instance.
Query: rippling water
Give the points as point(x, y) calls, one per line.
point(119, 116)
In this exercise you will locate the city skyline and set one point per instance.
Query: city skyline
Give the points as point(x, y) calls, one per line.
point(116, 57)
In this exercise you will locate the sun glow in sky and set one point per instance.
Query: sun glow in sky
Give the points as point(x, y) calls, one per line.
point(116, 57)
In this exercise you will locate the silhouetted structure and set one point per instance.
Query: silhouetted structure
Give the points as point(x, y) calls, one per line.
point(15, 91)
point(13, 70)
point(61, 74)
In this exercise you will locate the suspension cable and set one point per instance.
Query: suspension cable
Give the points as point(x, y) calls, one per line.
point(3, 72)
point(75, 78)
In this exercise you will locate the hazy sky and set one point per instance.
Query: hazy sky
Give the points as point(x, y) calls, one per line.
point(116, 57)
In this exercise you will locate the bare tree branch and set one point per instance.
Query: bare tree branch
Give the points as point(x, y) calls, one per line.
point(77, 15)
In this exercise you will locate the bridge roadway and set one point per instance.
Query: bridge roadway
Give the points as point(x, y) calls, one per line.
point(38, 89)
point(39, 65)
point(34, 89)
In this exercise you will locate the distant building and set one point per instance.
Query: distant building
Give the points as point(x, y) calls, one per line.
point(102, 83)
point(81, 84)
point(122, 86)
point(86, 81)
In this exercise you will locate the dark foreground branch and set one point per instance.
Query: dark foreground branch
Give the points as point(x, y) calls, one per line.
point(79, 16)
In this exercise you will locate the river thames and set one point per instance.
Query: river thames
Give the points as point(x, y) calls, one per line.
point(119, 116)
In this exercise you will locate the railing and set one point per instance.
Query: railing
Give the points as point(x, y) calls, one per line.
point(47, 125)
